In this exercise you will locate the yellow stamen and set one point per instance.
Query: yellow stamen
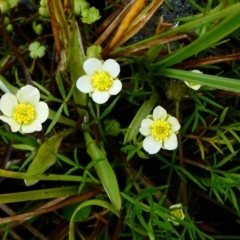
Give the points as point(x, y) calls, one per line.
point(192, 84)
point(24, 113)
point(177, 213)
point(160, 130)
point(102, 81)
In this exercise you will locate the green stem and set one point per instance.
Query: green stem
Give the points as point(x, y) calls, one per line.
point(38, 194)
point(177, 110)
point(44, 177)
point(100, 129)
point(170, 173)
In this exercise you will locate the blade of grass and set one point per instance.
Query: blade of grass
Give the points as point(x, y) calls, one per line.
point(227, 84)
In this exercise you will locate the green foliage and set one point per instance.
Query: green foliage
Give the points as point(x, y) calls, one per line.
point(12, 3)
point(94, 52)
point(88, 159)
point(44, 157)
point(4, 6)
point(90, 15)
point(36, 50)
point(79, 6)
point(104, 171)
point(81, 214)
point(43, 9)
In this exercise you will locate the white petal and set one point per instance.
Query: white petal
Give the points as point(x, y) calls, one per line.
point(159, 113)
point(112, 67)
point(175, 126)
point(84, 84)
point(28, 94)
point(187, 83)
point(196, 71)
point(33, 127)
point(42, 111)
point(100, 97)
point(116, 87)
point(171, 143)
point(151, 146)
point(195, 87)
point(15, 126)
point(92, 65)
point(145, 127)
point(178, 205)
point(7, 104)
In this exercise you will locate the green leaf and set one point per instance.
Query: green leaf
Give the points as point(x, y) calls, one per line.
point(6, 232)
point(141, 154)
point(61, 119)
point(234, 135)
point(25, 147)
point(5, 86)
point(141, 219)
point(225, 160)
point(109, 108)
point(210, 101)
point(142, 113)
point(83, 213)
point(190, 176)
point(44, 157)
point(90, 15)
point(60, 84)
point(104, 171)
point(12, 3)
point(65, 159)
point(43, 89)
point(76, 58)
point(55, 120)
point(94, 51)
point(223, 115)
point(226, 140)
point(89, 203)
point(36, 50)
point(23, 139)
point(188, 122)
point(233, 199)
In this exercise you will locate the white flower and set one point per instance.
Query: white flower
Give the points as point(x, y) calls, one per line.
point(24, 112)
point(160, 131)
point(177, 212)
point(192, 85)
point(101, 80)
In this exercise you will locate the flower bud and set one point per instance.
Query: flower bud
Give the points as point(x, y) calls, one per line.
point(112, 127)
point(175, 90)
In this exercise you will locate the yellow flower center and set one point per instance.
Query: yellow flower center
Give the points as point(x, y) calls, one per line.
point(24, 113)
point(101, 81)
point(192, 84)
point(160, 130)
point(177, 213)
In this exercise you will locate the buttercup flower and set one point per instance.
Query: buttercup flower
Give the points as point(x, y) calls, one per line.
point(160, 131)
point(192, 85)
point(24, 112)
point(177, 212)
point(101, 80)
